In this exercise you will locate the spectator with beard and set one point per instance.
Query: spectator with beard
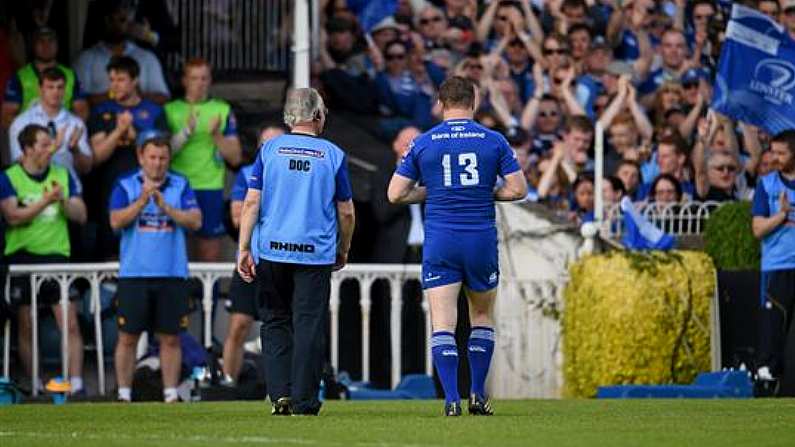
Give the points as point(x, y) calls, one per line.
point(91, 63)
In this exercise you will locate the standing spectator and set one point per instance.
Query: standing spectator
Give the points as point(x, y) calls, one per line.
point(114, 126)
point(300, 206)
point(91, 63)
point(674, 64)
point(72, 149)
point(37, 199)
point(23, 88)
point(432, 26)
point(773, 224)
point(629, 173)
point(243, 295)
point(152, 208)
point(204, 140)
point(716, 180)
point(672, 160)
point(543, 117)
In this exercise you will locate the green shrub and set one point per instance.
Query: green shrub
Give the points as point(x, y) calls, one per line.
point(636, 318)
point(729, 240)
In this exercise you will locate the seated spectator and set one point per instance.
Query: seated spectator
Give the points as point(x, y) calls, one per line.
point(37, 199)
point(23, 88)
point(91, 63)
point(665, 190)
point(582, 209)
point(402, 100)
point(113, 128)
point(71, 138)
point(204, 141)
point(629, 173)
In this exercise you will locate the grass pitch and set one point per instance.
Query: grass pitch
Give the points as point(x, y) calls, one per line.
point(419, 423)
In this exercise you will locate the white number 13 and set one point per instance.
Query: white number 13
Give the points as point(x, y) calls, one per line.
point(469, 161)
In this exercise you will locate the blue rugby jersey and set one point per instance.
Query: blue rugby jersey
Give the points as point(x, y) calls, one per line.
point(301, 177)
point(459, 162)
point(153, 245)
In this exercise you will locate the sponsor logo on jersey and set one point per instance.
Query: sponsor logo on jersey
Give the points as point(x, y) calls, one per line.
point(493, 278)
point(477, 349)
point(431, 277)
point(301, 152)
point(449, 353)
point(292, 246)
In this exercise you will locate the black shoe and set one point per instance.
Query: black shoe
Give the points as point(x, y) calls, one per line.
point(452, 409)
point(480, 406)
point(281, 407)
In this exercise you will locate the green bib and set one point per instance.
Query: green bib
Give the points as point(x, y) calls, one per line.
point(199, 159)
point(30, 85)
point(47, 233)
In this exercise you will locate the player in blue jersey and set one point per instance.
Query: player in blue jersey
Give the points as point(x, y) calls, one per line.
point(458, 163)
point(298, 196)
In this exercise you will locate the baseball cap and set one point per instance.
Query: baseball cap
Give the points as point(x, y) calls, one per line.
point(693, 75)
point(599, 43)
point(147, 136)
point(619, 68)
point(385, 23)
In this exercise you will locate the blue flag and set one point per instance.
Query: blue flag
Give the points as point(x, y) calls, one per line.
point(640, 234)
point(370, 12)
point(756, 72)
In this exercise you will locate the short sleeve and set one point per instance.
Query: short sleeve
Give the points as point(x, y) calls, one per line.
point(409, 164)
point(239, 187)
point(255, 178)
point(761, 206)
point(342, 182)
point(13, 91)
point(508, 163)
point(6, 189)
point(230, 129)
point(118, 198)
point(187, 200)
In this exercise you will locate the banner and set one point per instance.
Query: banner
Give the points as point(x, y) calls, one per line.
point(370, 12)
point(639, 233)
point(756, 72)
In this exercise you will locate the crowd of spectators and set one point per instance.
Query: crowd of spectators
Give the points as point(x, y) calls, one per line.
point(548, 71)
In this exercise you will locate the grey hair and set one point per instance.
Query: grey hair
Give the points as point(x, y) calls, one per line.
point(302, 105)
point(427, 7)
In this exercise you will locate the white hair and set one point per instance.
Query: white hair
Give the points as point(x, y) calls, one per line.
point(302, 105)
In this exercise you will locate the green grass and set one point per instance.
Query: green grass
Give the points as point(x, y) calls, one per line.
point(522, 423)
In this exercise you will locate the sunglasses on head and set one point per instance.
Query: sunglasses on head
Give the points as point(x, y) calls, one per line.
point(428, 20)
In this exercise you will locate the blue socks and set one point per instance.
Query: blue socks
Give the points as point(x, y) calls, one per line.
point(481, 348)
point(445, 358)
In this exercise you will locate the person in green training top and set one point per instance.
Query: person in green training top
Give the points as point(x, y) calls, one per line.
point(204, 140)
point(23, 88)
point(37, 198)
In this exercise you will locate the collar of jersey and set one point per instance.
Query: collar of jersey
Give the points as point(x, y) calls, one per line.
point(140, 177)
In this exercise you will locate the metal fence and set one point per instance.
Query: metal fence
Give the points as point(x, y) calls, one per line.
point(234, 35)
point(677, 219)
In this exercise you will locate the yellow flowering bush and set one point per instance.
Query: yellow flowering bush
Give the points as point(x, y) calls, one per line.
point(636, 318)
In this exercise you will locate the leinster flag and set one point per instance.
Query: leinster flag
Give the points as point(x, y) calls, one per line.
point(756, 72)
point(640, 234)
point(370, 12)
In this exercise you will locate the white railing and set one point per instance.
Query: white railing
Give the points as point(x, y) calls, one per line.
point(677, 219)
point(542, 354)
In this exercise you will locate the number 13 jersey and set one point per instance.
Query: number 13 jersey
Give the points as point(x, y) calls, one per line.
point(459, 161)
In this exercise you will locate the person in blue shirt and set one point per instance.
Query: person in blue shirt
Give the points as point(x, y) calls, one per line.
point(458, 163)
point(242, 295)
point(774, 224)
point(152, 208)
point(304, 218)
point(113, 128)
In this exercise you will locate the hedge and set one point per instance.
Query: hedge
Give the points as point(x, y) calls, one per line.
point(729, 240)
point(636, 318)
